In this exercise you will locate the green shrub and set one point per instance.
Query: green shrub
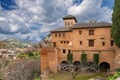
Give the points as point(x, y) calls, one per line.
point(83, 58)
point(96, 58)
point(30, 54)
point(33, 55)
point(114, 77)
point(69, 57)
point(118, 70)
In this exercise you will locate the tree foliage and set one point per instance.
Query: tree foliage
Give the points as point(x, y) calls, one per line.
point(22, 70)
point(116, 23)
point(116, 76)
point(92, 21)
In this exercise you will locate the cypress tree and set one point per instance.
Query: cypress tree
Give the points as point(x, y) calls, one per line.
point(116, 23)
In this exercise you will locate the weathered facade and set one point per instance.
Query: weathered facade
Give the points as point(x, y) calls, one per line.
point(79, 38)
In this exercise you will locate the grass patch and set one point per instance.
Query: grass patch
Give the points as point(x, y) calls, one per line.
point(80, 76)
point(87, 76)
point(37, 79)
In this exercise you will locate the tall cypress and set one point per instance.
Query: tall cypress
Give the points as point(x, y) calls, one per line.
point(116, 23)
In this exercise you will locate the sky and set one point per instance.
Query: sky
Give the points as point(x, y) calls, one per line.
point(32, 20)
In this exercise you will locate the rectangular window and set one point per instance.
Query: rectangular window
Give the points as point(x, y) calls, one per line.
point(112, 43)
point(55, 34)
point(91, 32)
point(80, 42)
point(64, 51)
point(69, 51)
point(61, 42)
point(80, 32)
point(111, 35)
point(59, 35)
point(67, 42)
point(103, 43)
point(68, 24)
point(54, 44)
point(91, 43)
point(63, 34)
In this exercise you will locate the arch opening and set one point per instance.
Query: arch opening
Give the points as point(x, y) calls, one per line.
point(76, 65)
point(64, 66)
point(104, 67)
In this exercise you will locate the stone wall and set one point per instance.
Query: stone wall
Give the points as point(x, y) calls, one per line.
point(49, 59)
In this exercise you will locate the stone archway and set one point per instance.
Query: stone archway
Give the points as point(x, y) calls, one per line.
point(76, 65)
point(104, 66)
point(64, 66)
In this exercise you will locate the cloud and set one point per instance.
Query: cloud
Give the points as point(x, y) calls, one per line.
point(32, 20)
point(91, 9)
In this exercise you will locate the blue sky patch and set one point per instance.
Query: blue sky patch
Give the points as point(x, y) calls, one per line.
point(8, 4)
point(108, 3)
point(77, 2)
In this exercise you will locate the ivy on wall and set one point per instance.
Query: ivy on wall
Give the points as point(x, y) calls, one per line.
point(96, 58)
point(70, 57)
point(83, 58)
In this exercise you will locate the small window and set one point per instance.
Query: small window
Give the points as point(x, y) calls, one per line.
point(112, 43)
point(64, 51)
point(91, 43)
point(69, 51)
point(63, 34)
point(54, 44)
point(61, 42)
point(103, 43)
point(59, 35)
point(55, 34)
point(64, 42)
point(80, 32)
point(111, 35)
point(91, 32)
point(80, 42)
point(68, 24)
point(67, 42)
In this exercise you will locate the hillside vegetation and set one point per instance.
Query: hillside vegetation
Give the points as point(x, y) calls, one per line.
point(14, 43)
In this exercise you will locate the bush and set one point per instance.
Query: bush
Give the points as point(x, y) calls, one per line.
point(83, 58)
point(114, 77)
point(118, 70)
point(22, 69)
point(96, 58)
point(70, 57)
point(33, 55)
